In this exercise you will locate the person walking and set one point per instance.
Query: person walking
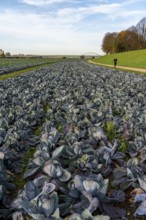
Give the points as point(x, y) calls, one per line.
point(115, 62)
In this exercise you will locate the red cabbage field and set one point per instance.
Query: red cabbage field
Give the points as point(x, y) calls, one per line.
point(72, 143)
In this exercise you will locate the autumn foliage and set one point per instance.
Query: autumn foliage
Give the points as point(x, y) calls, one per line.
point(123, 41)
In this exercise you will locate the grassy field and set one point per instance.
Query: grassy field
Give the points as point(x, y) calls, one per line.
point(135, 59)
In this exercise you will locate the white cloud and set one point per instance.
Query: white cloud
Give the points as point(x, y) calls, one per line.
point(35, 33)
point(26, 25)
point(44, 2)
point(48, 2)
point(85, 11)
point(70, 30)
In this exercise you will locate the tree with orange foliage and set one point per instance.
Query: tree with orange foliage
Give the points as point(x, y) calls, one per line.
point(129, 40)
point(109, 43)
point(123, 41)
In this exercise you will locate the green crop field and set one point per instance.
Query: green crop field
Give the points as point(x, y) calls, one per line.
point(135, 59)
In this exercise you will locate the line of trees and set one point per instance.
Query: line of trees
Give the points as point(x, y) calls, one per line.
point(2, 54)
point(123, 41)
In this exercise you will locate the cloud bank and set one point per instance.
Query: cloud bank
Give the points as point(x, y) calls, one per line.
point(64, 26)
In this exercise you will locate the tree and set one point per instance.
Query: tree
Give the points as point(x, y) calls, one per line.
point(2, 55)
point(109, 43)
point(123, 41)
point(129, 40)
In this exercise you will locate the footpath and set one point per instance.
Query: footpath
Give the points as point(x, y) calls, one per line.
point(120, 67)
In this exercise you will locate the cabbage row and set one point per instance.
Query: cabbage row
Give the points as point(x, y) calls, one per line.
point(12, 65)
point(89, 160)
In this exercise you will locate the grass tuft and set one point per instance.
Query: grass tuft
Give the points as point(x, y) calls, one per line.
point(123, 146)
point(110, 130)
point(38, 131)
point(60, 128)
point(47, 107)
point(19, 181)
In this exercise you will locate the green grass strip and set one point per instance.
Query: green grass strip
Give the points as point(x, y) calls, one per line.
point(118, 68)
point(136, 58)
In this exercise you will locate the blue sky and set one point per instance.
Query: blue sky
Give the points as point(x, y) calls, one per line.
point(64, 26)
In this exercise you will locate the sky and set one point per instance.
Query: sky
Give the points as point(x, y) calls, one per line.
point(64, 27)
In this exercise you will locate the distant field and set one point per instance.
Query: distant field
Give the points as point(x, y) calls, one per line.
point(14, 67)
point(6, 62)
point(135, 58)
point(20, 61)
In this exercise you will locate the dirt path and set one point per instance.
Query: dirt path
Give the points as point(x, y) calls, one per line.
point(120, 67)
